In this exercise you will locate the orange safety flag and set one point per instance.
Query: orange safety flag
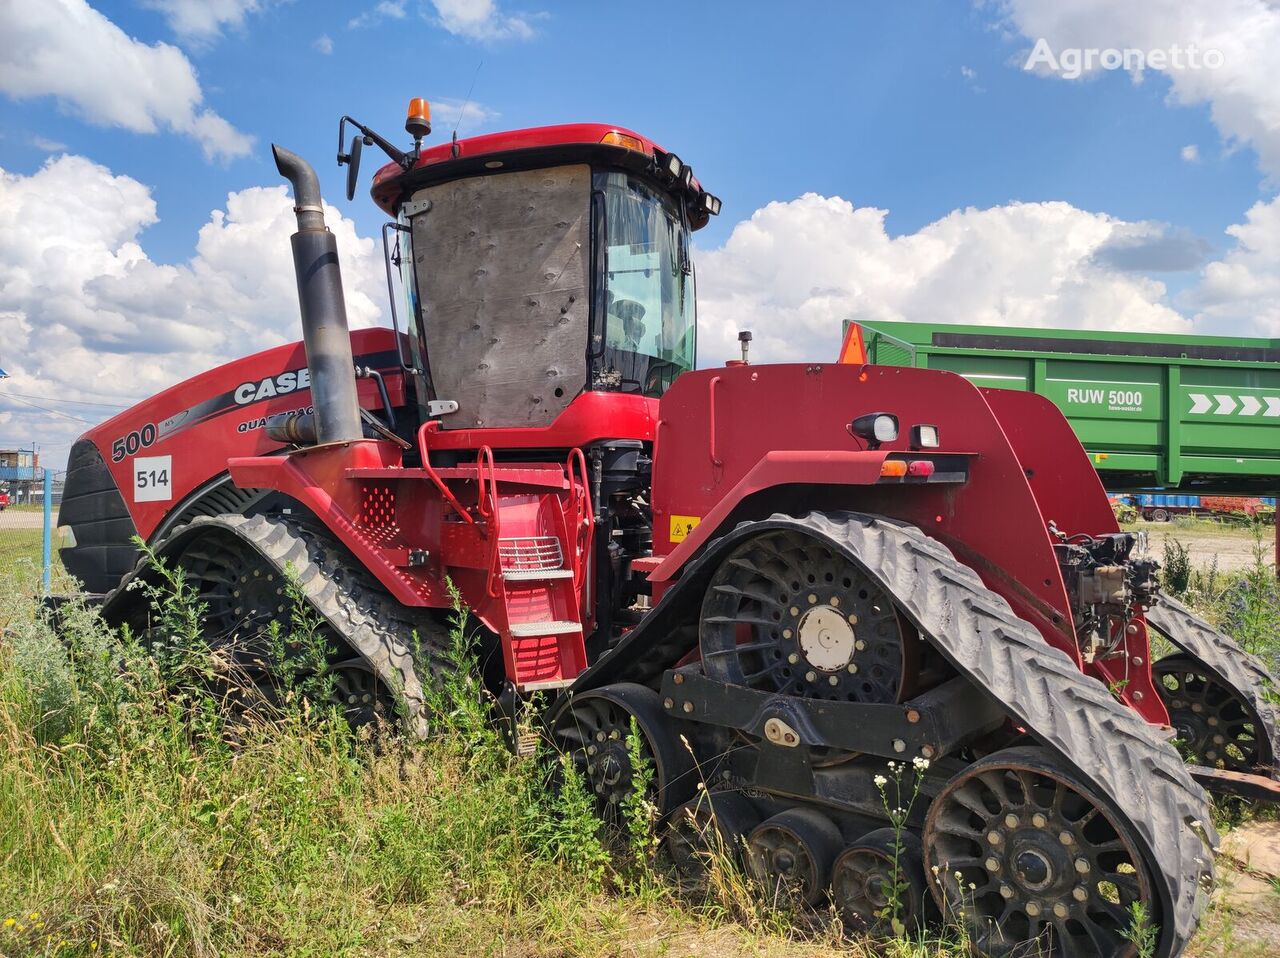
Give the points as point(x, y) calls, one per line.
point(853, 350)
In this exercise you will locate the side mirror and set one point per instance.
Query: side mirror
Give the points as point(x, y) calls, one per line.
point(352, 159)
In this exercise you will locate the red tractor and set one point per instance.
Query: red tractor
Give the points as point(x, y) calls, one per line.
point(786, 576)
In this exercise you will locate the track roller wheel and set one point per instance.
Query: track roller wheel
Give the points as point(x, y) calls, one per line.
point(359, 694)
point(1216, 726)
point(791, 853)
point(705, 830)
point(1020, 851)
point(864, 878)
point(593, 730)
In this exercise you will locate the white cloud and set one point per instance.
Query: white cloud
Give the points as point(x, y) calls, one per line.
point(1190, 153)
point(1243, 93)
point(795, 270)
point(48, 145)
point(66, 49)
point(386, 10)
point(481, 20)
point(1241, 292)
point(465, 115)
point(323, 44)
point(202, 20)
point(85, 314)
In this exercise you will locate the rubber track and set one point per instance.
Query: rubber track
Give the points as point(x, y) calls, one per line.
point(1223, 658)
point(349, 598)
point(1126, 761)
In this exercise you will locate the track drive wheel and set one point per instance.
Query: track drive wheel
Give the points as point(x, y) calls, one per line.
point(1019, 851)
point(705, 830)
point(593, 730)
point(878, 879)
point(785, 612)
point(790, 855)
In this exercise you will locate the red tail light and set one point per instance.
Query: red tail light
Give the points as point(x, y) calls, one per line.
point(920, 467)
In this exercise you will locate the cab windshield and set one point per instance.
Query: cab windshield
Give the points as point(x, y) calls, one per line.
point(649, 325)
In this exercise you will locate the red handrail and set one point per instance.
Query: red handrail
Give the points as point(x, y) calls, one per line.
point(423, 453)
point(584, 519)
point(487, 505)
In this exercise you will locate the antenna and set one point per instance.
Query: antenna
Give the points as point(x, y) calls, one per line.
point(461, 113)
point(465, 103)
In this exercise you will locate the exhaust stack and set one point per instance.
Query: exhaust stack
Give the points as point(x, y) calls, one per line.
point(324, 312)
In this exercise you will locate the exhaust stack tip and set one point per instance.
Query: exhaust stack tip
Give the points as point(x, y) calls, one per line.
point(307, 203)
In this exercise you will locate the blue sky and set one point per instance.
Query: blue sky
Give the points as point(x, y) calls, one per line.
point(862, 100)
point(879, 159)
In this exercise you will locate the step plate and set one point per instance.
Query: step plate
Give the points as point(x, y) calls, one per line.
point(522, 629)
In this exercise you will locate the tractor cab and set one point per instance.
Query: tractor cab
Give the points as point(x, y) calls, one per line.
point(539, 265)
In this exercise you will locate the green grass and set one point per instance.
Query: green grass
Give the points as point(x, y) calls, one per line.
point(137, 818)
point(1244, 603)
point(18, 546)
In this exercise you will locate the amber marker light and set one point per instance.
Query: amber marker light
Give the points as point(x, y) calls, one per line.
point(417, 121)
point(624, 140)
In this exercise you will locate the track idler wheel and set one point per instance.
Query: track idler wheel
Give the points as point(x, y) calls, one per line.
point(593, 730)
point(790, 855)
point(1216, 726)
point(879, 881)
point(706, 832)
point(1019, 851)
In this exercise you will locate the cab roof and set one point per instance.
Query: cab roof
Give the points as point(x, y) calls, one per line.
point(390, 182)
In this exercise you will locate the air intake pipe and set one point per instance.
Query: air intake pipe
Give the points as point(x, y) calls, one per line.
point(324, 312)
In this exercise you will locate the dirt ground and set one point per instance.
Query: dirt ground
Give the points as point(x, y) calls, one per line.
point(20, 519)
point(1244, 915)
point(1233, 545)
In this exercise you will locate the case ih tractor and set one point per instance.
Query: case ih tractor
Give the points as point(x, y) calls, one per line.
point(786, 576)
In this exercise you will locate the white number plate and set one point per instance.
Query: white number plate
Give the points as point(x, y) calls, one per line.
point(153, 479)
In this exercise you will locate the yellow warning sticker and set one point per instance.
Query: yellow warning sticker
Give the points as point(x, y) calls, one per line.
point(681, 526)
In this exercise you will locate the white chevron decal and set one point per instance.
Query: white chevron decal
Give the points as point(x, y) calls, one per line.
point(1234, 404)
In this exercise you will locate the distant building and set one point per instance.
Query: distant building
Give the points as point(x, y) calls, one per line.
point(20, 473)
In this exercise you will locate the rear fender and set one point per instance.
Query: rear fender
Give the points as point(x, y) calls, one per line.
point(726, 436)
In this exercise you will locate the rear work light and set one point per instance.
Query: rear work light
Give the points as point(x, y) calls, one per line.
point(875, 428)
point(924, 437)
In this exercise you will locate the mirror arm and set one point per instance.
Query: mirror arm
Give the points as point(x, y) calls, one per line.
point(399, 157)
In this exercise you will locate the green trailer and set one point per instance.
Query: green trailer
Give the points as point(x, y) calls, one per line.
point(1197, 413)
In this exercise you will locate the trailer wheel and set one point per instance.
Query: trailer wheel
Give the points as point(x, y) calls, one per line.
point(1020, 851)
point(1159, 515)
